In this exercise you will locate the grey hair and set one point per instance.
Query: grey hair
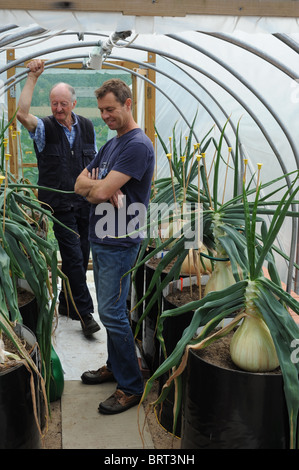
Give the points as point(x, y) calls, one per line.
point(69, 87)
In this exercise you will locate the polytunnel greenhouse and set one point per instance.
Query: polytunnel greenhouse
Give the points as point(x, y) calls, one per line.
point(214, 90)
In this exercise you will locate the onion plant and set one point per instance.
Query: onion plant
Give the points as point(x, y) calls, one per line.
point(254, 297)
point(226, 229)
point(24, 254)
point(223, 222)
point(171, 193)
point(182, 163)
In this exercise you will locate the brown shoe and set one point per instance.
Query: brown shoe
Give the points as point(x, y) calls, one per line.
point(93, 377)
point(118, 402)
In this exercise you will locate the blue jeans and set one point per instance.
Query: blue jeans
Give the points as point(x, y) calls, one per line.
point(109, 265)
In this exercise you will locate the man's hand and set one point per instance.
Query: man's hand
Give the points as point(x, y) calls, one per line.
point(94, 174)
point(116, 198)
point(36, 67)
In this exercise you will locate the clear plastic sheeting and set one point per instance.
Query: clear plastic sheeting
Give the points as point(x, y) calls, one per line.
point(96, 21)
point(244, 69)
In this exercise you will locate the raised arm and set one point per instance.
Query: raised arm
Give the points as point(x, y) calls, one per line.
point(36, 68)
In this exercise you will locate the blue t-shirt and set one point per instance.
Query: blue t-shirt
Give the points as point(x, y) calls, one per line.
point(133, 155)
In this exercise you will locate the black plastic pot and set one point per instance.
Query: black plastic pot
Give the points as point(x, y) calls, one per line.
point(136, 295)
point(29, 313)
point(29, 310)
point(173, 328)
point(232, 409)
point(18, 427)
point(137, 292)
point(150, 344)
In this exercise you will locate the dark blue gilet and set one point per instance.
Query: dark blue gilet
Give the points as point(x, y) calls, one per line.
point(59, 165)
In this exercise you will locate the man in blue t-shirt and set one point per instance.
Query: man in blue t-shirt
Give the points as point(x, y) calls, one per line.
point(117, 183)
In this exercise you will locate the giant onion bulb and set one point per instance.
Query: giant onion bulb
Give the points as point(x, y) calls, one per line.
point(221, 277)
point(189, 265)
point(252, 348)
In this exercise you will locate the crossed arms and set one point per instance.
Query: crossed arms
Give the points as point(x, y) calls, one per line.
point(97, 191)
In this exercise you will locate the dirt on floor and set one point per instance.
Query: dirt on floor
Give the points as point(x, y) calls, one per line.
point(161, 438)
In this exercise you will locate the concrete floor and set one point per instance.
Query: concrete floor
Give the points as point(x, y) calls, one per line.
point(83, 427)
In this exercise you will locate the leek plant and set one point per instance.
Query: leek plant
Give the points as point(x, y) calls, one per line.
point(258, 302)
